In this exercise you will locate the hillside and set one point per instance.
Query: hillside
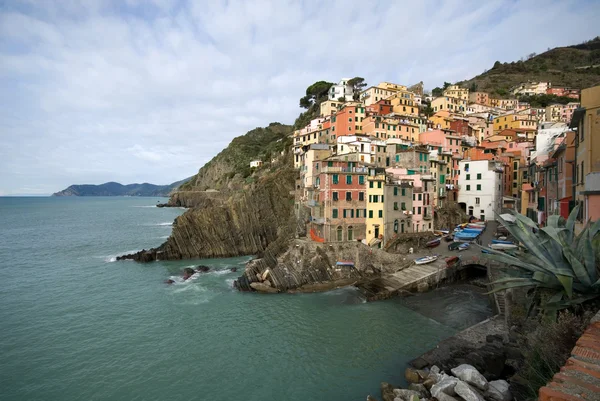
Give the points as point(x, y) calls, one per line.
point(230, 169)
point(116, 189)
point(575, 66)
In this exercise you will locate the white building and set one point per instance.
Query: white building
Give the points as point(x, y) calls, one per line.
point(531, 88)
point(480, 188)
point(342, 89)
point(256, 163)
point(361, 145)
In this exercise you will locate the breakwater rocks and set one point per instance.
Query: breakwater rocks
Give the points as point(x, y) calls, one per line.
point(301, 265)
point(244, 223)
point(465, 383)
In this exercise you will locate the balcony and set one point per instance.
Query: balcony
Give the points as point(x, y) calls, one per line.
point(427, 217)
point(318, 220)
point(359, 170)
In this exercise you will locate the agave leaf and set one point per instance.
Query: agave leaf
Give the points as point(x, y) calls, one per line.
point(557, 297)
point(499, 256)
point(567, 283)
point(525, 220)
point(586, 252)
point(578, 268)
point(554, 233)
point(570, 224)
point(554, 220)
point(555, 249)
point(549, 281)
point(510, 280)
point(532, 243)
point(594, 229)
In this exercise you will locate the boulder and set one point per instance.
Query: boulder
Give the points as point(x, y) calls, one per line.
point(469, 374)
point(434, 370)
point(419, 388)
point(387, 392)
point(412, 375)
point(467, 392)
point(404, 395)
point(445, 385)
point(203, 269)
point(267, 283)
point(498, 390)
point(260, 287)
point(446, 397)
point(188, 272)
point(233, 269)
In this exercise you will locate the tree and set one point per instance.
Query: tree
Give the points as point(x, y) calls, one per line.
point(446, 85)
point(497, 64)
point(473, 87)
point(358, 85)
point(437, 91)
point(558, 261)
point(315, 94)
point(428, 111)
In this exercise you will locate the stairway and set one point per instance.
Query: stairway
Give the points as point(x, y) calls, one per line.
point(500, 302)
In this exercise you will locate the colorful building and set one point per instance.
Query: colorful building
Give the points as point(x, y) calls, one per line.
point(457, 92)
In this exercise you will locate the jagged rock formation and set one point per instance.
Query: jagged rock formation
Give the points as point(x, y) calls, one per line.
point(303, 265)
point(243, 224)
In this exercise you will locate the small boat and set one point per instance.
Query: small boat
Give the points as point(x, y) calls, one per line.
point(483, 250)
point(345, 263)
point(449, 238)
point(499, 241)
point(465, 236)
point(433, 243)
point(502, 247)
point(425, 260)
point(440, 233)
point(452, 260)
point(472, 230)
point(453, 246)
point(463, 247)
point(502, 238)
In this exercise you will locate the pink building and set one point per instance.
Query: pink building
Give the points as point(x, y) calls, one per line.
point(447, 141)
point(423, 193)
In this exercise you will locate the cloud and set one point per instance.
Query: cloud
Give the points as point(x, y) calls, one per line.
point(96, 91)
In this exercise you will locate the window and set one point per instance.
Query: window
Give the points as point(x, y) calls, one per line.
point(379, 184)
point(335, 195)
point(468, 176)
point(335, 178)
point(381, 214)
point(479, 176)
point(396, 225)
point(348, 196)
point(370, 214)
point(419, 210)
point(395, 205)
point(344, 213)
point(515, 165)
point(361, 196)
point(395, 191)
point(479, 187)
point(361, 179)
point(375, 198)
point(468, 187)
point(339, 234)
point(403, 191)
point(420, 196)
point(581, 181)
point(466, 166)
point(514, 184)
point(414, 197)
point(350, 233)
point(348, 179)
point(515, 175)
point(370, 184)
point(403, 206)
point(477, 200)
point(334, 213)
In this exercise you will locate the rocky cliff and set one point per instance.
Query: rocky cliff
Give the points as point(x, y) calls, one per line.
point(243, 223)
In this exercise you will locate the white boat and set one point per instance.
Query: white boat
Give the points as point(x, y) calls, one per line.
point(503, 247)
point(425, 259)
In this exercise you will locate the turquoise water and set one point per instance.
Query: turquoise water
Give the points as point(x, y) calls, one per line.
point(76, 325)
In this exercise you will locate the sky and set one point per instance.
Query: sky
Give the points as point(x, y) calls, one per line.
point(148, 91)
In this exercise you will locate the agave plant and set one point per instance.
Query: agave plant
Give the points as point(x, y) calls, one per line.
point(554, 258)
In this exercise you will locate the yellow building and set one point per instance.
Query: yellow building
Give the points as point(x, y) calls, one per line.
point(375, 206)
point(403, 102)
point(451, 104)
point(586, 120)
point(441, 119)
point(514, 121)
point(329, 107)
point(457, 92)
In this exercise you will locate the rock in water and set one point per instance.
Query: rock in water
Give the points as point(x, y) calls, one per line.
point(371, 398)
point(260, 287)
point(467, 392)
point(498, 390)
point(445, 385)
point(411, 375)
point(419, 388)
point(404, 395)
point(469, 374)
point(387, 392)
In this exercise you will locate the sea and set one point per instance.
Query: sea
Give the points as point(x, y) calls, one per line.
point(75, 324)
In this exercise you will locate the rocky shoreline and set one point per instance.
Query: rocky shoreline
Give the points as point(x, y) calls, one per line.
point(481, 360)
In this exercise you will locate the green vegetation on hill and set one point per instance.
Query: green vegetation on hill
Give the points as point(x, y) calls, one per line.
point(233, 162)
point(575, 66)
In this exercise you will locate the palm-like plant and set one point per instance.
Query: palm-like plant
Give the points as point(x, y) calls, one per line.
point(555, 259)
